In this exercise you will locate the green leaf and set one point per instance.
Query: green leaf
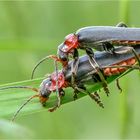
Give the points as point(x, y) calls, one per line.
point(11, 99)
point(9, 130)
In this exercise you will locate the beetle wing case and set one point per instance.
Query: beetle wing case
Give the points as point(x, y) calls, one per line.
point(102, 58)
point(89, 36)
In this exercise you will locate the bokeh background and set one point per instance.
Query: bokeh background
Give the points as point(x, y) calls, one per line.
point(30, 30)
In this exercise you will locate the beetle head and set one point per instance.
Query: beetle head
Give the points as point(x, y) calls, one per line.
point(61, 54)
point(49, 85)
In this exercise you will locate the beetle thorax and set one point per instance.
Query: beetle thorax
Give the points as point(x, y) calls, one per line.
point(70, 43)
point(54, 81)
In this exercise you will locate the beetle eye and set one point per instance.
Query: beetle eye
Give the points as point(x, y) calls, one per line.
point(48, 84)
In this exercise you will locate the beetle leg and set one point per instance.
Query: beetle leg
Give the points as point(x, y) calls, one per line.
point(92, 95)
point(58, 102)
point(62, 93)
point(97, 68)
point(76, 91)
point(74, 66)
point(96, 99)
point(75, 94)
point(118, 85)
point(108, 47)
point(121, 24)
point(57, 89)
point(96, 94)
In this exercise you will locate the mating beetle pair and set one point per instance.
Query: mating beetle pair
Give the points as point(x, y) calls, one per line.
point(99, 38)
point(88, 69)
point(110, 65)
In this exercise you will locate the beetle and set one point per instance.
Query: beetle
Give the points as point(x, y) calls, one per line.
point(99, 38)
point(109, 64)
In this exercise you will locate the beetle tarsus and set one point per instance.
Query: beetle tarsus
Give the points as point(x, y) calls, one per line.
point(75, 96)
point(106, 90)
point(96, 99)
point(121, 24)
point(55, 106)
point(58, 102)
point(96, 94)
point(118, 85)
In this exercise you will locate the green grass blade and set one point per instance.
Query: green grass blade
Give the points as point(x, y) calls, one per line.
point(11, 99)
point(125, 109)
point(9, 130)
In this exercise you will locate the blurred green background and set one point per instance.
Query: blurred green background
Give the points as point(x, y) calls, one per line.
point(30, 30)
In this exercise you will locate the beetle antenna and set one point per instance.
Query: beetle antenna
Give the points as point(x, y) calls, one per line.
point(25, 87)
point(57, 89)
point(27, 101)
point(42, 60)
